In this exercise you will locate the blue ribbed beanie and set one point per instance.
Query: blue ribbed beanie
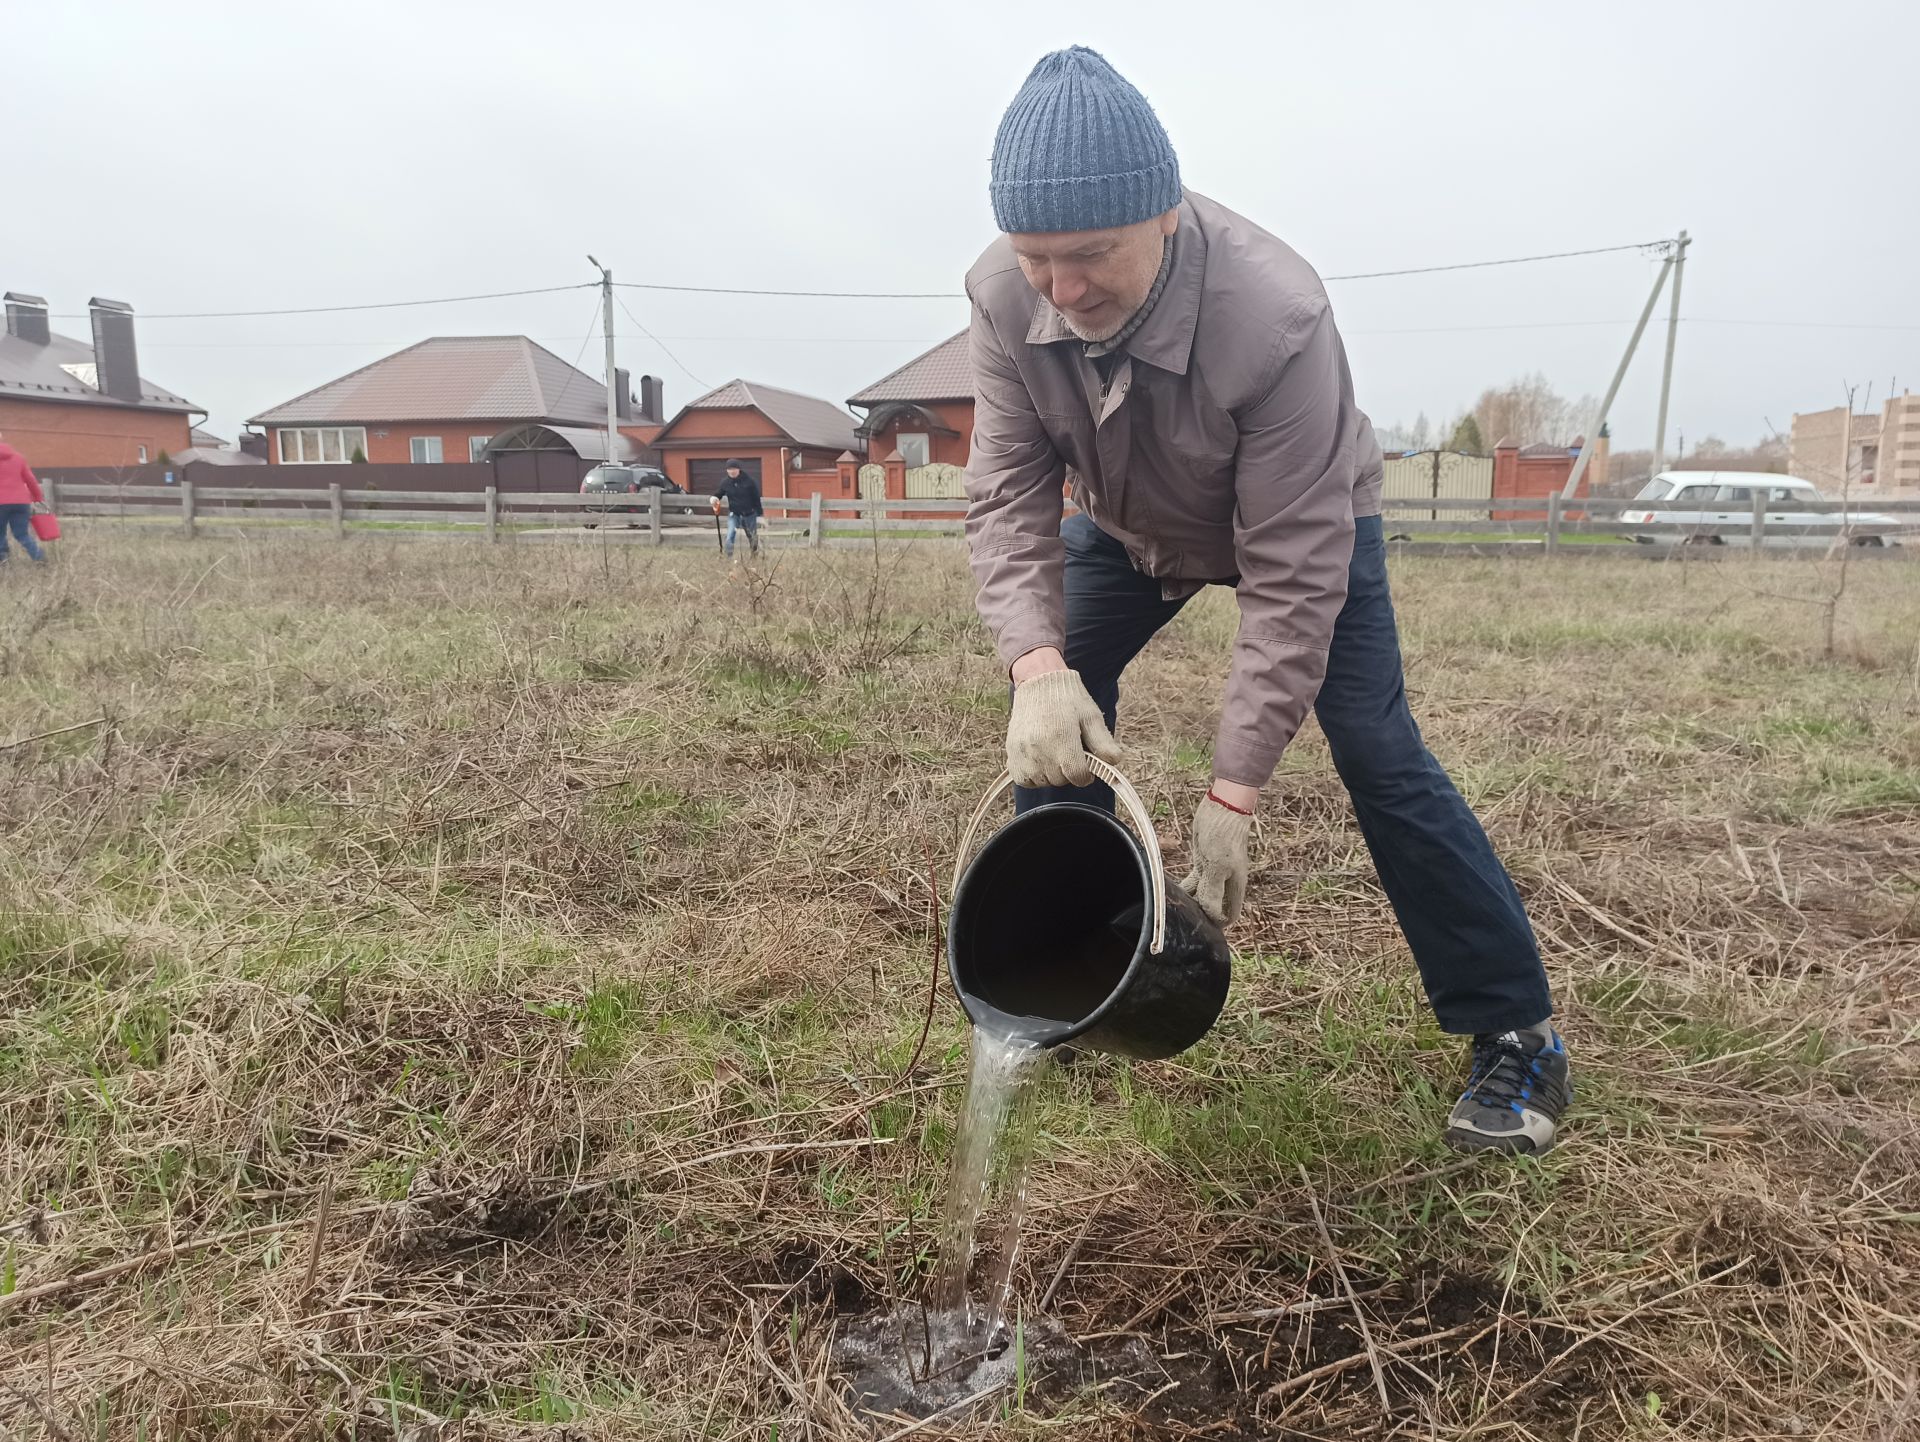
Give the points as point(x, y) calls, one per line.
point(1080, 149)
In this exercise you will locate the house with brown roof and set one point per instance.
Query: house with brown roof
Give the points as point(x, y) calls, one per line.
point(451, 398)
point(774, 433)
point(924, 410)
point(67, 403)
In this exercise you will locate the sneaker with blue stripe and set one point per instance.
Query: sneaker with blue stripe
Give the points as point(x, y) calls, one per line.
point(1518, 1088)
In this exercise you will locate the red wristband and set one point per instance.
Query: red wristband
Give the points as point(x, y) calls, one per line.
point(1237, 810)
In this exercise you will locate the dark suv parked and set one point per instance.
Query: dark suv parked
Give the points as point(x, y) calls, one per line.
point(611, 481)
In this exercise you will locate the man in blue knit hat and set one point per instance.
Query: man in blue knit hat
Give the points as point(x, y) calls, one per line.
point(1178, 371)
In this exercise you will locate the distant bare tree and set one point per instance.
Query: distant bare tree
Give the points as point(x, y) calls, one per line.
point(1714, 454)
point(1529, 411)
point(1422, 437)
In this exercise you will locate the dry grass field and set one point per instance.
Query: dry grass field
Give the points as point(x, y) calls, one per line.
point(464, 991)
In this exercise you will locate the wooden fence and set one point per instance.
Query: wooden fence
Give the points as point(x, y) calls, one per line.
point(492, 512)
point(1548, 522)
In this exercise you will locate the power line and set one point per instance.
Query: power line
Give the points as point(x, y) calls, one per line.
point(662, 344)
point(805, 294)
point(961, 295)
point(814, 294)
point(579, 355)
point(1799, 324)
point(1511, 260)
point(1764, 321)
point(1514, 325)
point(927, 340)
point(659, 340)
point(331, 309)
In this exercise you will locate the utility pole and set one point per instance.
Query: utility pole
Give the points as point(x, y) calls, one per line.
point(613, 403)
point(1572, 486)
point(1666, 371)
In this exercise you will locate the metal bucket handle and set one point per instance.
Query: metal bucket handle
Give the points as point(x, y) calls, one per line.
point(1136, 810)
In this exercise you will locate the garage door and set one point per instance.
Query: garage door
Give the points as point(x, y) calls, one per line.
point(704, 477)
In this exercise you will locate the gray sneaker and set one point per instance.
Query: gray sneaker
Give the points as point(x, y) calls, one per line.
point(1519, 1086)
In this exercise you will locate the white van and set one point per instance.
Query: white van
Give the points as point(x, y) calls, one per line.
point(1725, 498)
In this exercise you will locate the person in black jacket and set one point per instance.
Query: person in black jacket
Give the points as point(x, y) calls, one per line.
point(740, 493)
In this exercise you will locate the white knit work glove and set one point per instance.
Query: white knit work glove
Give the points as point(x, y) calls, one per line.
point(1219, 877)
point(1054, 724)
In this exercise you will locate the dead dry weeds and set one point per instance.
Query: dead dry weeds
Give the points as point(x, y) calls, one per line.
point(463, 992)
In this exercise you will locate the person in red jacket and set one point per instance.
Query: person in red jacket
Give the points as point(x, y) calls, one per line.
point(19, 494)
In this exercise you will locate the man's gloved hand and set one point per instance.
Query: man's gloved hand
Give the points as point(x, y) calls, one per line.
point(1219, 877)
point(1054, 724)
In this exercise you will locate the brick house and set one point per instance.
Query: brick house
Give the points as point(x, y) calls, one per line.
point(448, 398)
point(785, 440)
point(924, 410)
point(66, 403)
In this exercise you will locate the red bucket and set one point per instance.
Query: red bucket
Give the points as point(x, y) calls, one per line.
point(46, 526)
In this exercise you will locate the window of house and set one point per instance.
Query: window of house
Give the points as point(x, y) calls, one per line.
point(477, 447)
point(143, 455)
point(425, 450)
point(914, 449)
point(321, 445)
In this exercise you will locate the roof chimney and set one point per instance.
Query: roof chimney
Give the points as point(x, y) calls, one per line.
point(651, 401)
point(115, 364)
point(27, 318)
point(622, 395)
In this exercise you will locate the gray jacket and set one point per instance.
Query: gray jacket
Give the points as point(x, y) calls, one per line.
point(1228, 448)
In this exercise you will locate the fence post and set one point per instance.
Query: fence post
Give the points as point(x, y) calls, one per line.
point(1553, 523)
point(1759, 533)
point(51, 490)
point(815, 530)
point(337, 504)
point(186, 509)
point(493, 513)
point(656, 521)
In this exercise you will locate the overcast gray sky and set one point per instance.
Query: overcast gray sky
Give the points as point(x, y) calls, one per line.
point(198, 156)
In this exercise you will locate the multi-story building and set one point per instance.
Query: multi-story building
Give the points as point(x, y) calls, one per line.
point(1877, 454)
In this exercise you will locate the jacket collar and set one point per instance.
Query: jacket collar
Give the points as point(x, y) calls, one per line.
point(1165, 338)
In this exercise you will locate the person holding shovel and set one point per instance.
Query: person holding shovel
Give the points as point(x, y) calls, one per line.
point(1177, 369)
point(740, 493)
point(19, 494)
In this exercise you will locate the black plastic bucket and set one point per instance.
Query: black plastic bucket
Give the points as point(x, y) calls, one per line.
point(1065, 928)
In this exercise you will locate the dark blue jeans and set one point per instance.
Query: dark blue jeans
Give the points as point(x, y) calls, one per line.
point(749, 524)
point(1456, 904)
point(17, 520)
